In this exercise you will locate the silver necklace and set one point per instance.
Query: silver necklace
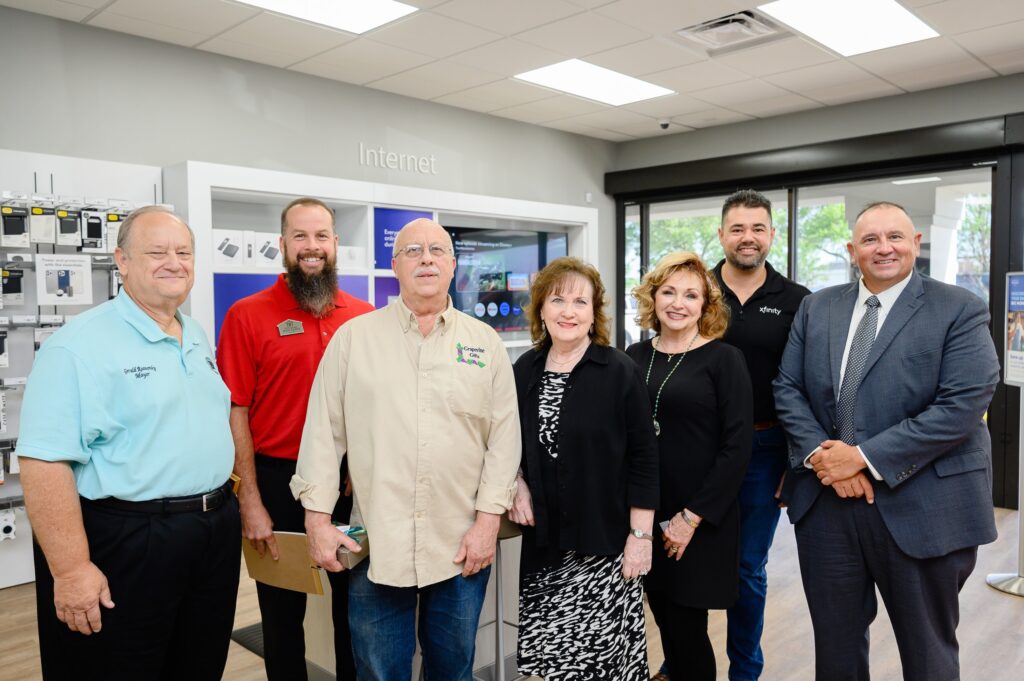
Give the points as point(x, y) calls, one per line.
point(657, 398)
point(573, 357)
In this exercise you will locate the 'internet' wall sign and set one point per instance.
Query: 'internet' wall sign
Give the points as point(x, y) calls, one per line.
point(389, 160)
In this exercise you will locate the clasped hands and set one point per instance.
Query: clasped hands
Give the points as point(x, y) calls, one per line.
point(840, 466)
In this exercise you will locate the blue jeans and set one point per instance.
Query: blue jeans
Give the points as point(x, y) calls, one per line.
point(383, 623)
point(759, 516)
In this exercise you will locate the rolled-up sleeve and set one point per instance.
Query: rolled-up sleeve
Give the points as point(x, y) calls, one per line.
point(317, 480)
point(504, 442)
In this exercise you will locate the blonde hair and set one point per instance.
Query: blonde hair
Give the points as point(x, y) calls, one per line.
point(714, 314)
point(555, 278)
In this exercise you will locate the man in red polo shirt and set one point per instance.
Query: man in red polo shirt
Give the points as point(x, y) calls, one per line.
point(270, 347)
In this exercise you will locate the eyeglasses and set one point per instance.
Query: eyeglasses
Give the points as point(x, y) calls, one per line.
point(413, 251)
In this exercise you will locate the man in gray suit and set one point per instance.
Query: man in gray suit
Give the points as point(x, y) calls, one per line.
point(881, 391)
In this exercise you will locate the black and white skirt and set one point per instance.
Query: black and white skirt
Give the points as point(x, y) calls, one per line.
point(580, 620)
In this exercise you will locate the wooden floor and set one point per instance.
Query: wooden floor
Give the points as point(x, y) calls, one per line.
point(991, 627)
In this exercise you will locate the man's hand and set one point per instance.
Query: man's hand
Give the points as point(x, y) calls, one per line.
point(835, 461)
point(324, 540)
point(257, 526)
point(855, 487)
point(521, 512)
point(77, 597)
point(477, 548)
point(778, 490)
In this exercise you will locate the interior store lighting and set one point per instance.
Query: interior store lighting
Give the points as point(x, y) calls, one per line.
point(851, 27)
point(918, 180)
point(583, 79)
point(354, 16)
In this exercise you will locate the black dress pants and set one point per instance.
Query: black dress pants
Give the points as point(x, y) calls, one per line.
point(684, 639)
point(173, 578)
point(282, 610)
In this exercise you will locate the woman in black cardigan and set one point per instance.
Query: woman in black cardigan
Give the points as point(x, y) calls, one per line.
point(588, 487)
point(703, 413)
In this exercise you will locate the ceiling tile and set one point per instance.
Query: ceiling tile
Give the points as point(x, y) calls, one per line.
point(993, 40)
point(361, 61)
point(68, 11)
point(146, 29)
point(188, 15)
point(508, 57)
point(939, 75)
point(648, 130)
point(667, 106)
point(590, 4)
point(1006, 62)
point(569, 125)
point(254, 53)
point(497, 95)
point(424, 4)
point(956, 16)
point(94, 4)
point(776, 57)
point(711, 117)
point(699, 76)
point(775, 106)
point(611, 119)
point(646, 56)
point(820, 76)
point(286, 36)
point(582, 34)
point(507, 17)
point(662, 17)
point(549, 109)
point(433, 80)
point(853, 92)
point(738, 93)
point(432, 34)
point(919, 55)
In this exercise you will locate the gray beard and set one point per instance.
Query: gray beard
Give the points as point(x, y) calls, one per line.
point(314, 292)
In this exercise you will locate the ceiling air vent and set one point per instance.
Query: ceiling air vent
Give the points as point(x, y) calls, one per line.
point(732, 32)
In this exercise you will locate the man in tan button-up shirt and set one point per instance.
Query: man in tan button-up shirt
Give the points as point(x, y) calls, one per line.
point(420, 397)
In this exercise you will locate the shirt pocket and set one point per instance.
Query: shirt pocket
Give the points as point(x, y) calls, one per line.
point(469, 391)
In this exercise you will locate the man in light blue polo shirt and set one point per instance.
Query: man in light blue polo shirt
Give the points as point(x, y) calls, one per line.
point(126, 452)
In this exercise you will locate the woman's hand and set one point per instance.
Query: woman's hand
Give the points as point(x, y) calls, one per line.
point(636, 557)
point(521, 512)
point(678, 534)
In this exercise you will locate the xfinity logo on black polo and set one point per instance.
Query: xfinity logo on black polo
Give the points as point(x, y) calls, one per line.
point(770, 310)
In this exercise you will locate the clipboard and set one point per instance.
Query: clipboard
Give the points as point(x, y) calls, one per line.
point(293, 570)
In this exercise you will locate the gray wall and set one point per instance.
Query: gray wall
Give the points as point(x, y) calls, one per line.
point(105, 95)
point(964, 102)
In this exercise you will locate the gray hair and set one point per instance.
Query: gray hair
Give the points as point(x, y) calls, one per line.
point(124, 234)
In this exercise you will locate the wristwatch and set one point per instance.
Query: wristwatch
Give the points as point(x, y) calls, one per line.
point(640, 534)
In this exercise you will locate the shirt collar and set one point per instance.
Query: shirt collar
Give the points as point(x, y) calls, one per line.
point(287, 298)
point(142, 322)
point(886, 298)
point(773, 281)
point(408, 320)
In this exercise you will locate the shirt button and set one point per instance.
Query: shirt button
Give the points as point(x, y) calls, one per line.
point(419, 514)
point(424, 374)
point(324, 332)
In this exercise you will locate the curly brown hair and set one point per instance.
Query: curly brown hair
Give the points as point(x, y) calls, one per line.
point(557, 278)
point(714, 314)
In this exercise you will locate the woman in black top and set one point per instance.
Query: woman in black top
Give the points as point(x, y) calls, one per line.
point(702, 405)
point(588, 487)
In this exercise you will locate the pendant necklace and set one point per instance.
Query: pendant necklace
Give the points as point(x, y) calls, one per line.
point(657, 398)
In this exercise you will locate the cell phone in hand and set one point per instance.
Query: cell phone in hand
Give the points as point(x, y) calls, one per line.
point(664, 525)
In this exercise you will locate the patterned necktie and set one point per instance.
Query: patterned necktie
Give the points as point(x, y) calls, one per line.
point(863, 339)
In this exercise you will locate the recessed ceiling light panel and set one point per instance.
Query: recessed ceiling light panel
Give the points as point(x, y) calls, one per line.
point(593, 82)
point(851, 26)
point(918, 180)
point(354, 16)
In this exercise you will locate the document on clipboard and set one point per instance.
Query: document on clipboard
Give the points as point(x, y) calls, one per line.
point(293, 570)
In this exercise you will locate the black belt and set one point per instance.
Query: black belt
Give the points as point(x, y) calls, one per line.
point(197, 503)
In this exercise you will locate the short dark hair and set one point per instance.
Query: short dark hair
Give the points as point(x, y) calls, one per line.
point(305, 201)
point(880, 204)
point(747, 198)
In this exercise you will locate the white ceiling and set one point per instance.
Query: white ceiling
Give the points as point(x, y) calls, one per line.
point(463, 53)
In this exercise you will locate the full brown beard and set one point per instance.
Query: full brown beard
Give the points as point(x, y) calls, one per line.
point(314, 292)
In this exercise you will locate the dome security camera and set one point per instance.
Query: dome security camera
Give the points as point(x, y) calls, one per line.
point(663, 123)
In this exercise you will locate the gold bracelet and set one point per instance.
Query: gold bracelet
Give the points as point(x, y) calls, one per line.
point(690, 521)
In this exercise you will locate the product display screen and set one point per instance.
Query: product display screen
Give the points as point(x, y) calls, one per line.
point(494, 271)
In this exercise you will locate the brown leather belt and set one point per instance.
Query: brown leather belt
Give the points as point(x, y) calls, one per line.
point(765, 425)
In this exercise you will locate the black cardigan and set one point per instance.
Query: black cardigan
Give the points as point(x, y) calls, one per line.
point(607, 451)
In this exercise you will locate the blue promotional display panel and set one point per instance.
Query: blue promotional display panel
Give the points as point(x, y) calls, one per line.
point(386, 224)
point(229, 287)
point(1014, 364)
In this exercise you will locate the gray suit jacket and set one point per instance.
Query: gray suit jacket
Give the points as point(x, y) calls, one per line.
point(928, 381)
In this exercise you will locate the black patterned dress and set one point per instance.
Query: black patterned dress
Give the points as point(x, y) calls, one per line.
point(579, 619)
